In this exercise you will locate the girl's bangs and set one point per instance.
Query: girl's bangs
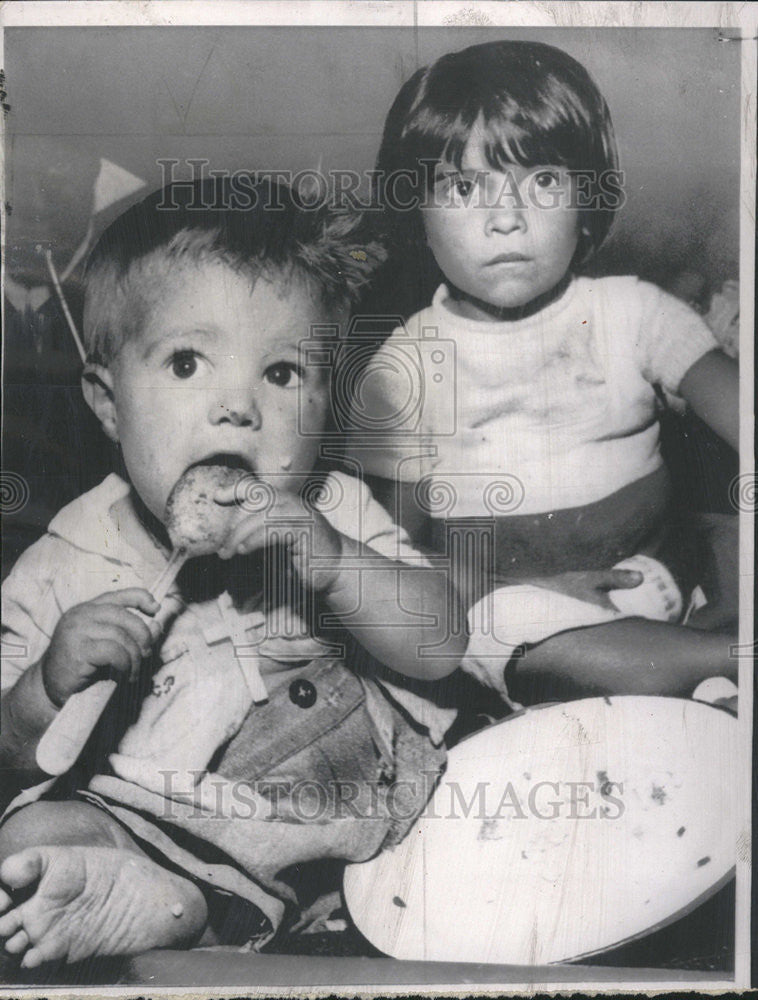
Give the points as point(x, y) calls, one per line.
point(506, 143)
point(505, 140)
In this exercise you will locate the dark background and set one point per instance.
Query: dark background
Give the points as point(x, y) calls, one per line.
point(250, 98)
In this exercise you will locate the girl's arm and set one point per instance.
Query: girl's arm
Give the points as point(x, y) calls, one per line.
point(632, 656)
point(711, 387)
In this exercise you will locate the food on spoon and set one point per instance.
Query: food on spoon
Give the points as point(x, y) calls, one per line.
point(196, 524)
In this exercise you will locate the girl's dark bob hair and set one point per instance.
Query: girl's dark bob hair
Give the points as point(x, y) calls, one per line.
point(537, 106)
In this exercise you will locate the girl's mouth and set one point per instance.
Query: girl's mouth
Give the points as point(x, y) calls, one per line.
point(508, 258)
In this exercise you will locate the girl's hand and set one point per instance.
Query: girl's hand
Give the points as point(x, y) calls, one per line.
point(588, 585)
point(98, 637)
point(314, 546)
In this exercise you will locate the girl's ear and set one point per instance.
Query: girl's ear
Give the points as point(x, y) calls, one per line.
point(97, 386)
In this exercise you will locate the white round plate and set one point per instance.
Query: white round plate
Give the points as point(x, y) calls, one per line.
point(561, 832)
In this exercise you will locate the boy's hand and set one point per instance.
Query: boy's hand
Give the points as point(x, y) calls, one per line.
point(305, 531)
point(588, 585)
point(98, 637)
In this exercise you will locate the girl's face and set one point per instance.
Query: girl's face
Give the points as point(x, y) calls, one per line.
point(501, 237)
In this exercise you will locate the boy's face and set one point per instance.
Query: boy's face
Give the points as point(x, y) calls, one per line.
point(216, 373)
point(502, 237)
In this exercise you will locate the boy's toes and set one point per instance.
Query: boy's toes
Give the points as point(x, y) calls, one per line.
point(21, 869)
point(10, 923)
point(5, 901)
point(46, 951)
point(18, 943)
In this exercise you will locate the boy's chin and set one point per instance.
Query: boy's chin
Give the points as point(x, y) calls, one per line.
point(265, 575)
point(149, 519)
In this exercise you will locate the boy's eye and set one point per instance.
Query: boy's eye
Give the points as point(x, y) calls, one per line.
point(545, 178)
point(184, 364)
point(284, 374)
point(463, 186)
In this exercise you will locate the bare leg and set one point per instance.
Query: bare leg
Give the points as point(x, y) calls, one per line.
point(94, 891)
point(631, 656)
point(76, 823)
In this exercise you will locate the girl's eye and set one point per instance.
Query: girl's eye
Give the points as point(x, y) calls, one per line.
point(184, 364)
point(284, 374)
point(546, 178)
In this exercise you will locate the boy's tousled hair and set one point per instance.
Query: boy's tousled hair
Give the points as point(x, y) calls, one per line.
point(537, 105)
point(250, 224)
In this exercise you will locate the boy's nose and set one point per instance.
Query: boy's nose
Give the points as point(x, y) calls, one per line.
point(236, 408)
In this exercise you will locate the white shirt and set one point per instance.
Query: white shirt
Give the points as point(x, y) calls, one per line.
point(553, 411)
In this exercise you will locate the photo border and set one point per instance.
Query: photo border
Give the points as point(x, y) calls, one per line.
point(736, 24)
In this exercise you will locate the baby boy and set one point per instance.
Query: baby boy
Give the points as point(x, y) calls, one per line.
point(246, 681)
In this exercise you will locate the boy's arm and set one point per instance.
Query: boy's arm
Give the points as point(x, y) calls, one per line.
point(395, 610)
point(29, 612)
point(89, 639)
point(391, 593)
point(353, 559)
point(372, 584)
point(711, 387)
point(399, 500)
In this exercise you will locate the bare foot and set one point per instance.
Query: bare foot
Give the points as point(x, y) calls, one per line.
point(95, 901)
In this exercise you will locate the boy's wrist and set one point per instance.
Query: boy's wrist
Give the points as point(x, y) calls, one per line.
point(26, 711)
point(325, 579)
point(47, 689)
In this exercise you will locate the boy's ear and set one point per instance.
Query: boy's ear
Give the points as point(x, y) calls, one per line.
point(97, 386)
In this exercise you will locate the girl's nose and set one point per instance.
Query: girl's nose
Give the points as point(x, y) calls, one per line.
point(236, 407)
point(505, 219)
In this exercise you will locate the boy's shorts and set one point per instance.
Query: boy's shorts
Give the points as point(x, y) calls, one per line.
point(309, 776)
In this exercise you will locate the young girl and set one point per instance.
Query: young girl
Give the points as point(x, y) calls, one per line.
point(533, 412)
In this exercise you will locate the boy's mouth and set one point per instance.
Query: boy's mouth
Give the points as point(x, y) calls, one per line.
point(229, 460)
